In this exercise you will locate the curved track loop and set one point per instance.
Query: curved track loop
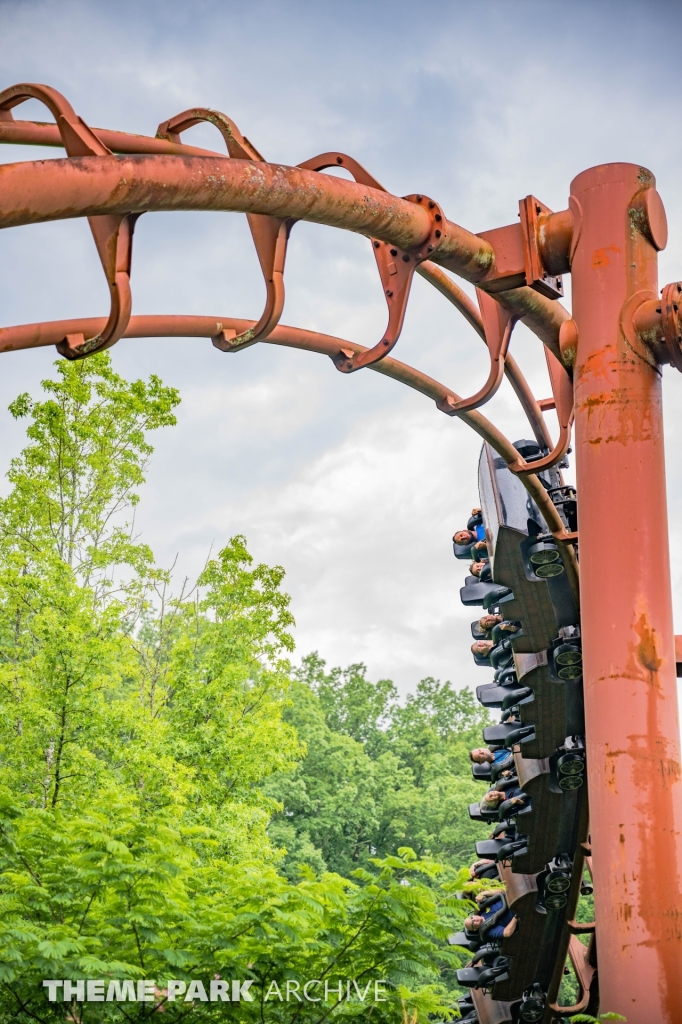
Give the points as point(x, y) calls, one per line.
point(542, 713)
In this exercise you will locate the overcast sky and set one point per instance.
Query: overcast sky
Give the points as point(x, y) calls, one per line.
point(353, 483)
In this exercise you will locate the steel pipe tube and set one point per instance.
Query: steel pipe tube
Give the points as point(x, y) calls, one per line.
point(37, 191)
point(632, 724)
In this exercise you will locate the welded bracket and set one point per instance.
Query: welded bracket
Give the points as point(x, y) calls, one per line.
point(270, 234)
point(113, 233)
point(530, 211)
point(396, 266)
point(518, 253)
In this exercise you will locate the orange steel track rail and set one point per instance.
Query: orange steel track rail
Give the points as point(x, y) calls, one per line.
point(604, 364)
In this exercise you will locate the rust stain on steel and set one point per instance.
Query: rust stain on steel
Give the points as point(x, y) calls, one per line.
point(85, 186)
point(656, 907)
point(634, 422)
point(600, 257)
point(646, 651)
point(618, 412)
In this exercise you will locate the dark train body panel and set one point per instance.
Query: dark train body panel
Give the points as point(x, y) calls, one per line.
point(541, 829)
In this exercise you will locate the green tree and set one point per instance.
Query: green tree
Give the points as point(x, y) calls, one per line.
point(77, 479)
point(378, 775)
point(138, 734)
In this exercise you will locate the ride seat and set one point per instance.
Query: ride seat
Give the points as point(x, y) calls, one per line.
point(484, 977)
point(499, 733)
point(491, 695)
point(464, 940)
point(500, 849)
point(476, 592)
point(520, 734)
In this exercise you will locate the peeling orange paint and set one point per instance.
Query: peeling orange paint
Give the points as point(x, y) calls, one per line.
point(647, 653)
point(660, 895)
point(600, 257)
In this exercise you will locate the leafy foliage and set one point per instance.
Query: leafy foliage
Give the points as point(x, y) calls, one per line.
point(585, 1018)
point(377, 775)
point(86, 458)
point(146, 739)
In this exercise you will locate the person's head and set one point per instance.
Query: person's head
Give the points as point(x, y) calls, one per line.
point(486, 622)
point(473, 923)
point(481, 755)
point(476, 568)
point(463, 537)
point(493, 798)
point(482, 648)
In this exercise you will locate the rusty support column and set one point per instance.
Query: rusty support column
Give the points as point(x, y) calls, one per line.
point(633, 737)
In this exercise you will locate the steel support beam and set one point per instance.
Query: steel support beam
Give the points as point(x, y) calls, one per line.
point(33, 192)
point(632, 725)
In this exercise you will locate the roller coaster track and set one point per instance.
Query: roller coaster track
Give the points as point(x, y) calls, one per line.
point(585, 667)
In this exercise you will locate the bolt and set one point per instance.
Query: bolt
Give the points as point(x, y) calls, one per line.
point(658, 309)
point(394, 252)
point(339, 159)
point(431, 205)
point(377, 244)
point(389, 293)
point(418, 198)
point(349, 365)
point(437, 234)
point(438, 217)
point(538, 209)
point(386, 341)
point(406, 258)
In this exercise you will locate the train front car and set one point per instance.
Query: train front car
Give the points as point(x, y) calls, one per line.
point(528, 635)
